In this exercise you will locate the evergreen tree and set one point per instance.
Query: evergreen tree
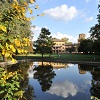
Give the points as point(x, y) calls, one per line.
point(44, 42)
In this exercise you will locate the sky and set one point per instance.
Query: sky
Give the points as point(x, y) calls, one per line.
point(65, 18)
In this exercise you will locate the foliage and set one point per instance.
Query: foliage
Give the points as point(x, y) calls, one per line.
point(44, 42)
point(66, 40)
point(15, 33)
point(9, 85)
point(86, 46)
point(95, 33)
point(71, 49)
point(12, 23)
point(15, 79)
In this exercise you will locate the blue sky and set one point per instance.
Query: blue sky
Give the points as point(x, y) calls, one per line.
point(65, 18)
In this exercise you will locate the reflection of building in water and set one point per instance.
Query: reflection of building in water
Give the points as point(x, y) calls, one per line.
point(80, 70)
point(54, 64)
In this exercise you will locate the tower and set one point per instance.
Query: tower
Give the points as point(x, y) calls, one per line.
point(81, 37)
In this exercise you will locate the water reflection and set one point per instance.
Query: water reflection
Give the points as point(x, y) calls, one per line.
point(95, 89)
point(64, 89)
point(44, 74)
point(25, 87)
point(95, 82)
point(71, 82)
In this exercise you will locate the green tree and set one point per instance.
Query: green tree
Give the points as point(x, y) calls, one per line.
point(95, 34)
point(44, 42)
point(71, 49)
point(66, 40)
point(86, 46)
point(14, 27)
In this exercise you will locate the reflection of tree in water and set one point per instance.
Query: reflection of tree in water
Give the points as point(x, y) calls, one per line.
point(95, 89)
point(29, 93)
point(95, 71)
point(44, 74)
point(24, 83)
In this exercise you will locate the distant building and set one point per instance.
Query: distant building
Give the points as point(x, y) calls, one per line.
point(81, 37)
point(61, 47)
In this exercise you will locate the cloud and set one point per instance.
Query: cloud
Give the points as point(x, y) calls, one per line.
point(62, 12)
point(89, 19)
point(64, 89)
point(61, 35)
point(36, 31)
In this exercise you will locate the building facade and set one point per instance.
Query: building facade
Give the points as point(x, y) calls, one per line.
point(61, 47)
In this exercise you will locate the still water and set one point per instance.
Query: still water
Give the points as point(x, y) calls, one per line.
point(52, 81)
point(62, 81)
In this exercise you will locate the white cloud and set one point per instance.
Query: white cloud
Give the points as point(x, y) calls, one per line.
point(62, 12)
point(36, 31)
point(89, 19)
point(61, 35)
point(64, 89)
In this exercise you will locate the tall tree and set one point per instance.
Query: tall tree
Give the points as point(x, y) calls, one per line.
point(95, 33)
point(14, 27)
point(44, 42)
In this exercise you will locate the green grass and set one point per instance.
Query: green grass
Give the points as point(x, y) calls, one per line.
point(65, 57)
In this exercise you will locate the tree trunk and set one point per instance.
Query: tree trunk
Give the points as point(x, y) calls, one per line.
point(42, 55)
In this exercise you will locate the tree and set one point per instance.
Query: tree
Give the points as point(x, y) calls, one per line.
point(66, 40)
point(44, 42)
point(95, 34)
point(86, 46)
point(71, 49)
point(14, 27)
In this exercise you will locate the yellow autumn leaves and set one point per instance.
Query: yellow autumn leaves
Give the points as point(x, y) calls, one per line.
point(6, 76)
point(9, 46)
point(3, 28)
point(10, 43)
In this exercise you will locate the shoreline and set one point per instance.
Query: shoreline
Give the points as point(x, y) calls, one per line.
point(50, 60)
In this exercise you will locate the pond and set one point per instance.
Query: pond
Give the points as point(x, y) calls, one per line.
point(59, 81)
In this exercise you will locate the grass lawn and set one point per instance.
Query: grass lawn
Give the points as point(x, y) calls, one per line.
point(67, 57)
